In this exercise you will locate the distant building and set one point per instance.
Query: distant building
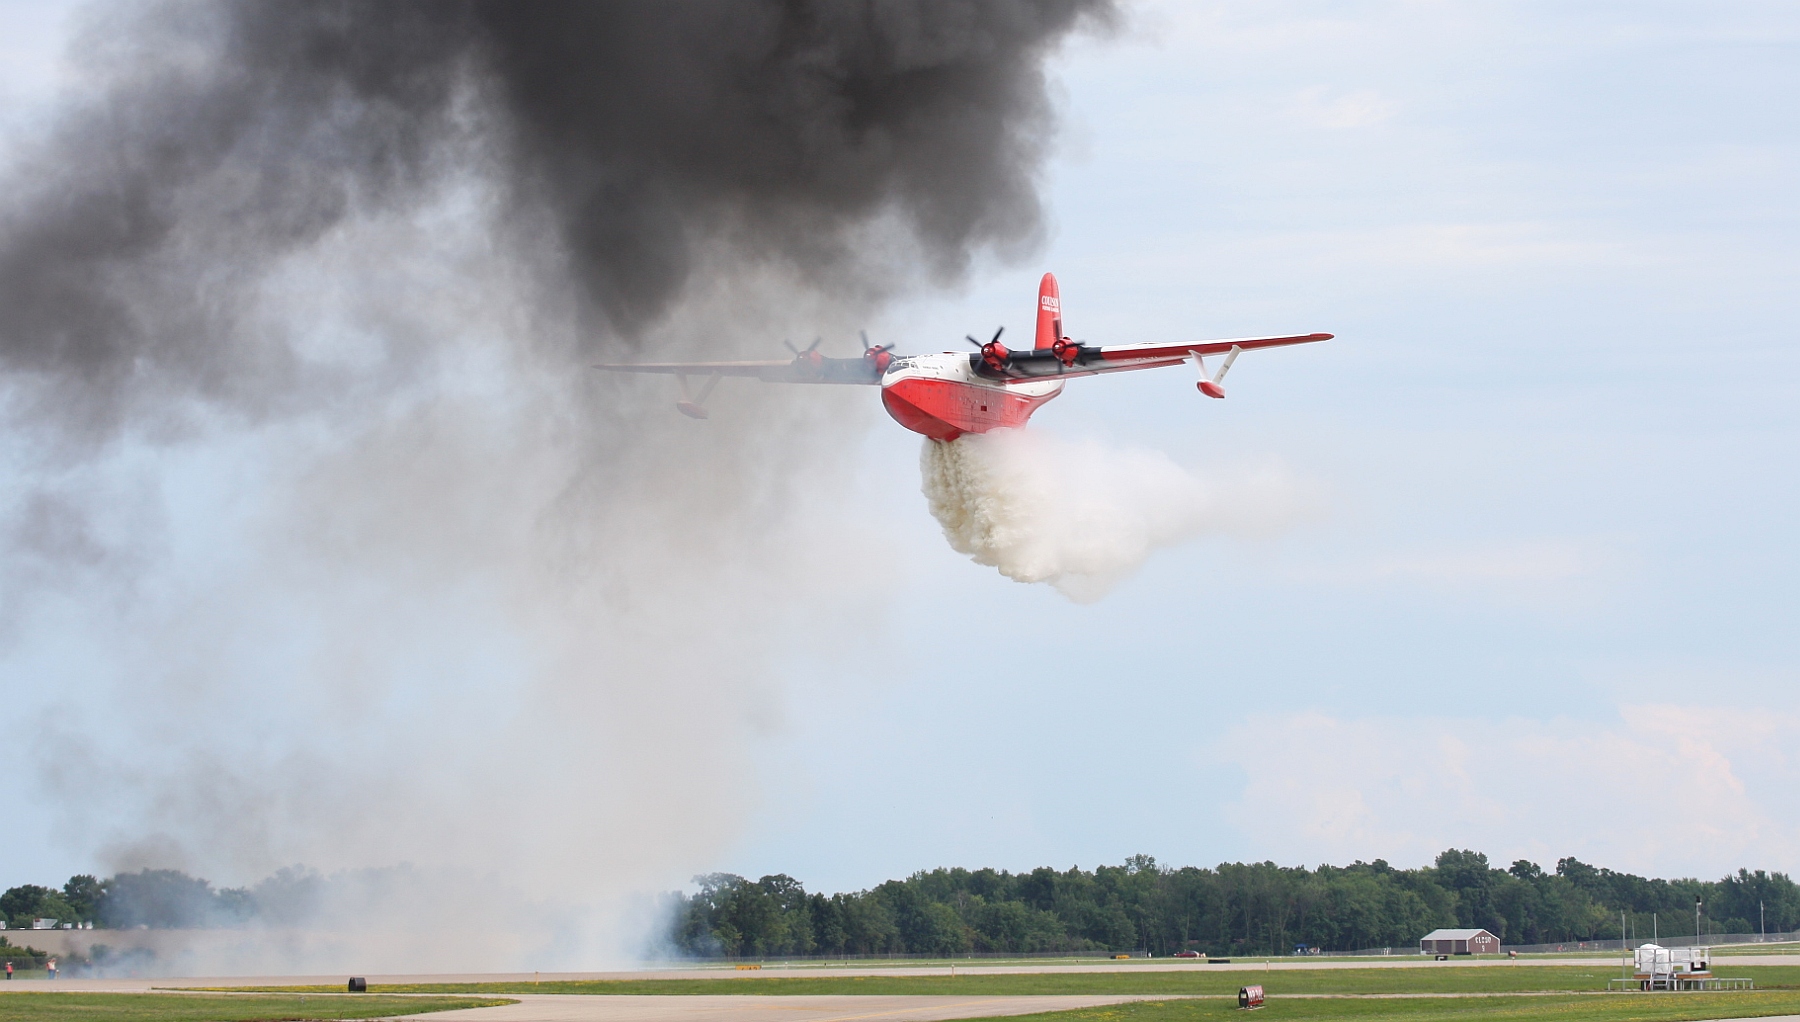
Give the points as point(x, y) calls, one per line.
point(1459, 942)
point(43, 924)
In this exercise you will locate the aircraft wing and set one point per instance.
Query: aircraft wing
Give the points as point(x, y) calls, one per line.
point(1093, 360)
point(755, 370)
point(1115, 358)
point(797, 370)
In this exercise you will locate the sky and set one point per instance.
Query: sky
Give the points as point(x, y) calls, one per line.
point(1531, 586)
point(1544, 586)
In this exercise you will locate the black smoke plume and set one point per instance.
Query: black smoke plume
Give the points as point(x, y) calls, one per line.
point(218, 138)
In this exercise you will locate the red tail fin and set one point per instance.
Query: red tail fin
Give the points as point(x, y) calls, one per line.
point(1049, 324)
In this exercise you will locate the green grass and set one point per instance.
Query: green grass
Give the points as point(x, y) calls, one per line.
point(1569, 1008)
point(1446, 979)
point(84, 1007)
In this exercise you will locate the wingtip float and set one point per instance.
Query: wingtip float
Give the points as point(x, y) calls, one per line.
point(948, 394)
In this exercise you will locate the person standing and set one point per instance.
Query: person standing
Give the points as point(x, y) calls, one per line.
point(9, 968)
point(51, 965)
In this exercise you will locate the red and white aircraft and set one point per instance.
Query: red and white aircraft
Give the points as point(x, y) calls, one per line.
point(946, 395)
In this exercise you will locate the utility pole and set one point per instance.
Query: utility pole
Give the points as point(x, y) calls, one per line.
point(1624, 965)
point(1762, 921)
point(1696, 921)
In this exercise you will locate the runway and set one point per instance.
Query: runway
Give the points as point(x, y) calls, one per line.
point(656, 1008)
point(777, 1008)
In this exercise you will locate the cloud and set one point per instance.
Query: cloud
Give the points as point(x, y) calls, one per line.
point(1406, 787)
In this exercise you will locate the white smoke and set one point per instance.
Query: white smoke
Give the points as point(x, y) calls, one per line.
point(1081, 516)
point(489, 650)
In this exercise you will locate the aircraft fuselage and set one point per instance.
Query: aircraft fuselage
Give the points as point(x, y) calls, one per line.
point(943, 396)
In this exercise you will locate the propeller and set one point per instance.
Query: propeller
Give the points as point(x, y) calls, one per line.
point(877, 354)
point(1067, 350)
point(797, 352)
point(971, 339)
point(993, 353)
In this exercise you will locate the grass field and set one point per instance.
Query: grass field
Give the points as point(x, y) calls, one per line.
point(1618, 1008)
point(1446, 980)
point(59, 1007)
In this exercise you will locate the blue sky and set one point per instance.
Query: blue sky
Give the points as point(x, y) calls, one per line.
point(1545, 577)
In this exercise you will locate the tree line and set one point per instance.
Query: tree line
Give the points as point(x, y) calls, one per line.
point(1233, 909)
point(156, 898)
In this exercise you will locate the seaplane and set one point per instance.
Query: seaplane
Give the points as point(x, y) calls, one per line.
point(948, 394)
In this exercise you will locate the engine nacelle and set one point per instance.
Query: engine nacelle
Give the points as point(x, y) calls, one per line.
point(809, 364)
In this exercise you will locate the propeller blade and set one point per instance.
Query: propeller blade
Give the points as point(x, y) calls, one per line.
point(790, 345)
point(865, 336)
point(814, 344)
point(997, 334)
point(971, 339)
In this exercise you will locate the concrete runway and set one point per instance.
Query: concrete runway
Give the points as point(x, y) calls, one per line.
point(650, 1008)
point(777, 1008)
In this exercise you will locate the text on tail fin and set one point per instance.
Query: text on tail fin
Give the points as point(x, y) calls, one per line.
point(1049, 312)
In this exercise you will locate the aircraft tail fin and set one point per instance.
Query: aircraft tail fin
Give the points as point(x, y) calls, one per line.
point(1049, 312)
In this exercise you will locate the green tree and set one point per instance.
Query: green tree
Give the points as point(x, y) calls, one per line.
point(19, 904)
point(1241, 908)
point(1759, 899)
point(159, 899)
point(86, 897)
point(869, 923)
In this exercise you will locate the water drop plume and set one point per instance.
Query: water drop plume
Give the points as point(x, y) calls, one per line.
point(323, 544)
point(1082, 516)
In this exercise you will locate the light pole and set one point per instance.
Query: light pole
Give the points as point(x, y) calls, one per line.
point(1696, 922)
